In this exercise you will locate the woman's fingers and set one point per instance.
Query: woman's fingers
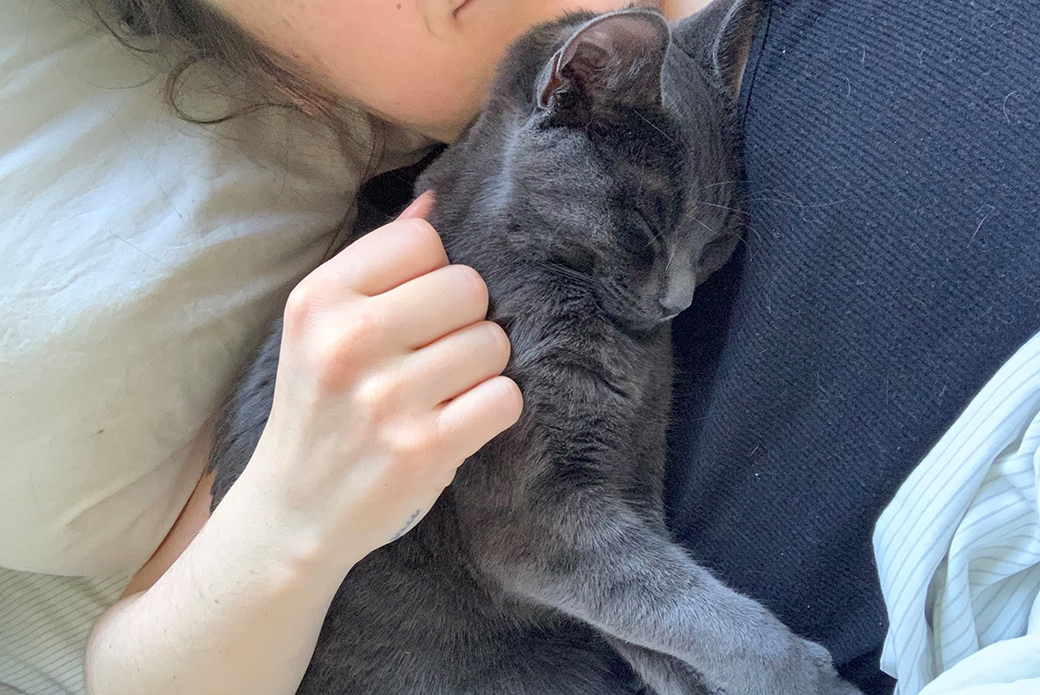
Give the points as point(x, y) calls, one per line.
point(433, 305)
point(388, 256)
point(473, 419)
point(456, 363)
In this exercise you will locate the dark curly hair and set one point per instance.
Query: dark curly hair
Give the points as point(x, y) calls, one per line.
point(192, 33)
point(197, 33)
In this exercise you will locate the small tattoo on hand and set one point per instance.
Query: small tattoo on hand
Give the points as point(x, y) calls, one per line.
point(407, 524)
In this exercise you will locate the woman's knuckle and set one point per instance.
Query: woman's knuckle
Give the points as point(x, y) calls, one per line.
point(364, 326)
point(330, 365)
point(339, 354)
point(415, 446)
point(301, 304)
point(376, 396)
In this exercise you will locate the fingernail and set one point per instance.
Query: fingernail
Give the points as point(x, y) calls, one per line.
point(420, 207)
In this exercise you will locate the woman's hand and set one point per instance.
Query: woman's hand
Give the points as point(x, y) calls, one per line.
point(388, 379)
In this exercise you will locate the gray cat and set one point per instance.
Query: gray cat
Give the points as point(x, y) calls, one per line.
point(597, 188)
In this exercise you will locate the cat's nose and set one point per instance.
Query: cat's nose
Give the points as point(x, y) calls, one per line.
point(678, 293)
point(669, 310)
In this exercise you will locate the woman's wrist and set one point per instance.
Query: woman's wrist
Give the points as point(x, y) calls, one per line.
point(238, 612)
point(293, 548)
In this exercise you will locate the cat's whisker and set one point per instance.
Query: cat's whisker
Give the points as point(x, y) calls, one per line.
point(753, 231)
point(569, 273)
point(667, 137)
point(721, 183)
point(704, 225)
point(668, 265)
point(657, 236)
point(721, 207)
point(798, 203)
point(617, 297)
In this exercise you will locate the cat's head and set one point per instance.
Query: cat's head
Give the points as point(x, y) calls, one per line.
point(608, 157)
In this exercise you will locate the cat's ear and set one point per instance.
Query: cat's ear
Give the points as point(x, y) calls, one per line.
point(720, 36)
point(612, 61)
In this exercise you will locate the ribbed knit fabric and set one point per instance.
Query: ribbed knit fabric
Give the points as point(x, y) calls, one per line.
point(45, 621)
point(892, 265)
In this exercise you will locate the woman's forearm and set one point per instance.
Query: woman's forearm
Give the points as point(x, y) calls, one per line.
point(388, 378)
point(238, 612)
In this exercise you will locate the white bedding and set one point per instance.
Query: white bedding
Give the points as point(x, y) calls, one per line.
point(142, 257)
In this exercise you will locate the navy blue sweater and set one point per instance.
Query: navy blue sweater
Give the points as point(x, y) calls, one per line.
point(891, 265)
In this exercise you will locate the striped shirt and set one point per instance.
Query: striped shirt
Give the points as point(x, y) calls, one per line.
point(958, 548)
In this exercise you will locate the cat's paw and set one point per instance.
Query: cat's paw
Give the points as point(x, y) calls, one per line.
point(830, 683)
point(819, 655)
point(837, 686)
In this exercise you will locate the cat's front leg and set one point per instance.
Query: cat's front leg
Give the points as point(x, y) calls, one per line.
point(663, 674)
point(666, 675)
point(603, 565)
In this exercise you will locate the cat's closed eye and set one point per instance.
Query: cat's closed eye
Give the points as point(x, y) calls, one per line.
point(639, 237)
point(579, 261)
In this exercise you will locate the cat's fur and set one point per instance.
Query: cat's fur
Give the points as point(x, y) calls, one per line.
point(599, 185)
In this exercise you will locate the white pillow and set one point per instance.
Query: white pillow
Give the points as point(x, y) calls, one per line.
point(141, 258)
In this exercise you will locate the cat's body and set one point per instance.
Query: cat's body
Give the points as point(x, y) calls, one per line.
point(591, 209)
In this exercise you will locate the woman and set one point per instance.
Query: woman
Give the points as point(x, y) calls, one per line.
point(870, 303)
